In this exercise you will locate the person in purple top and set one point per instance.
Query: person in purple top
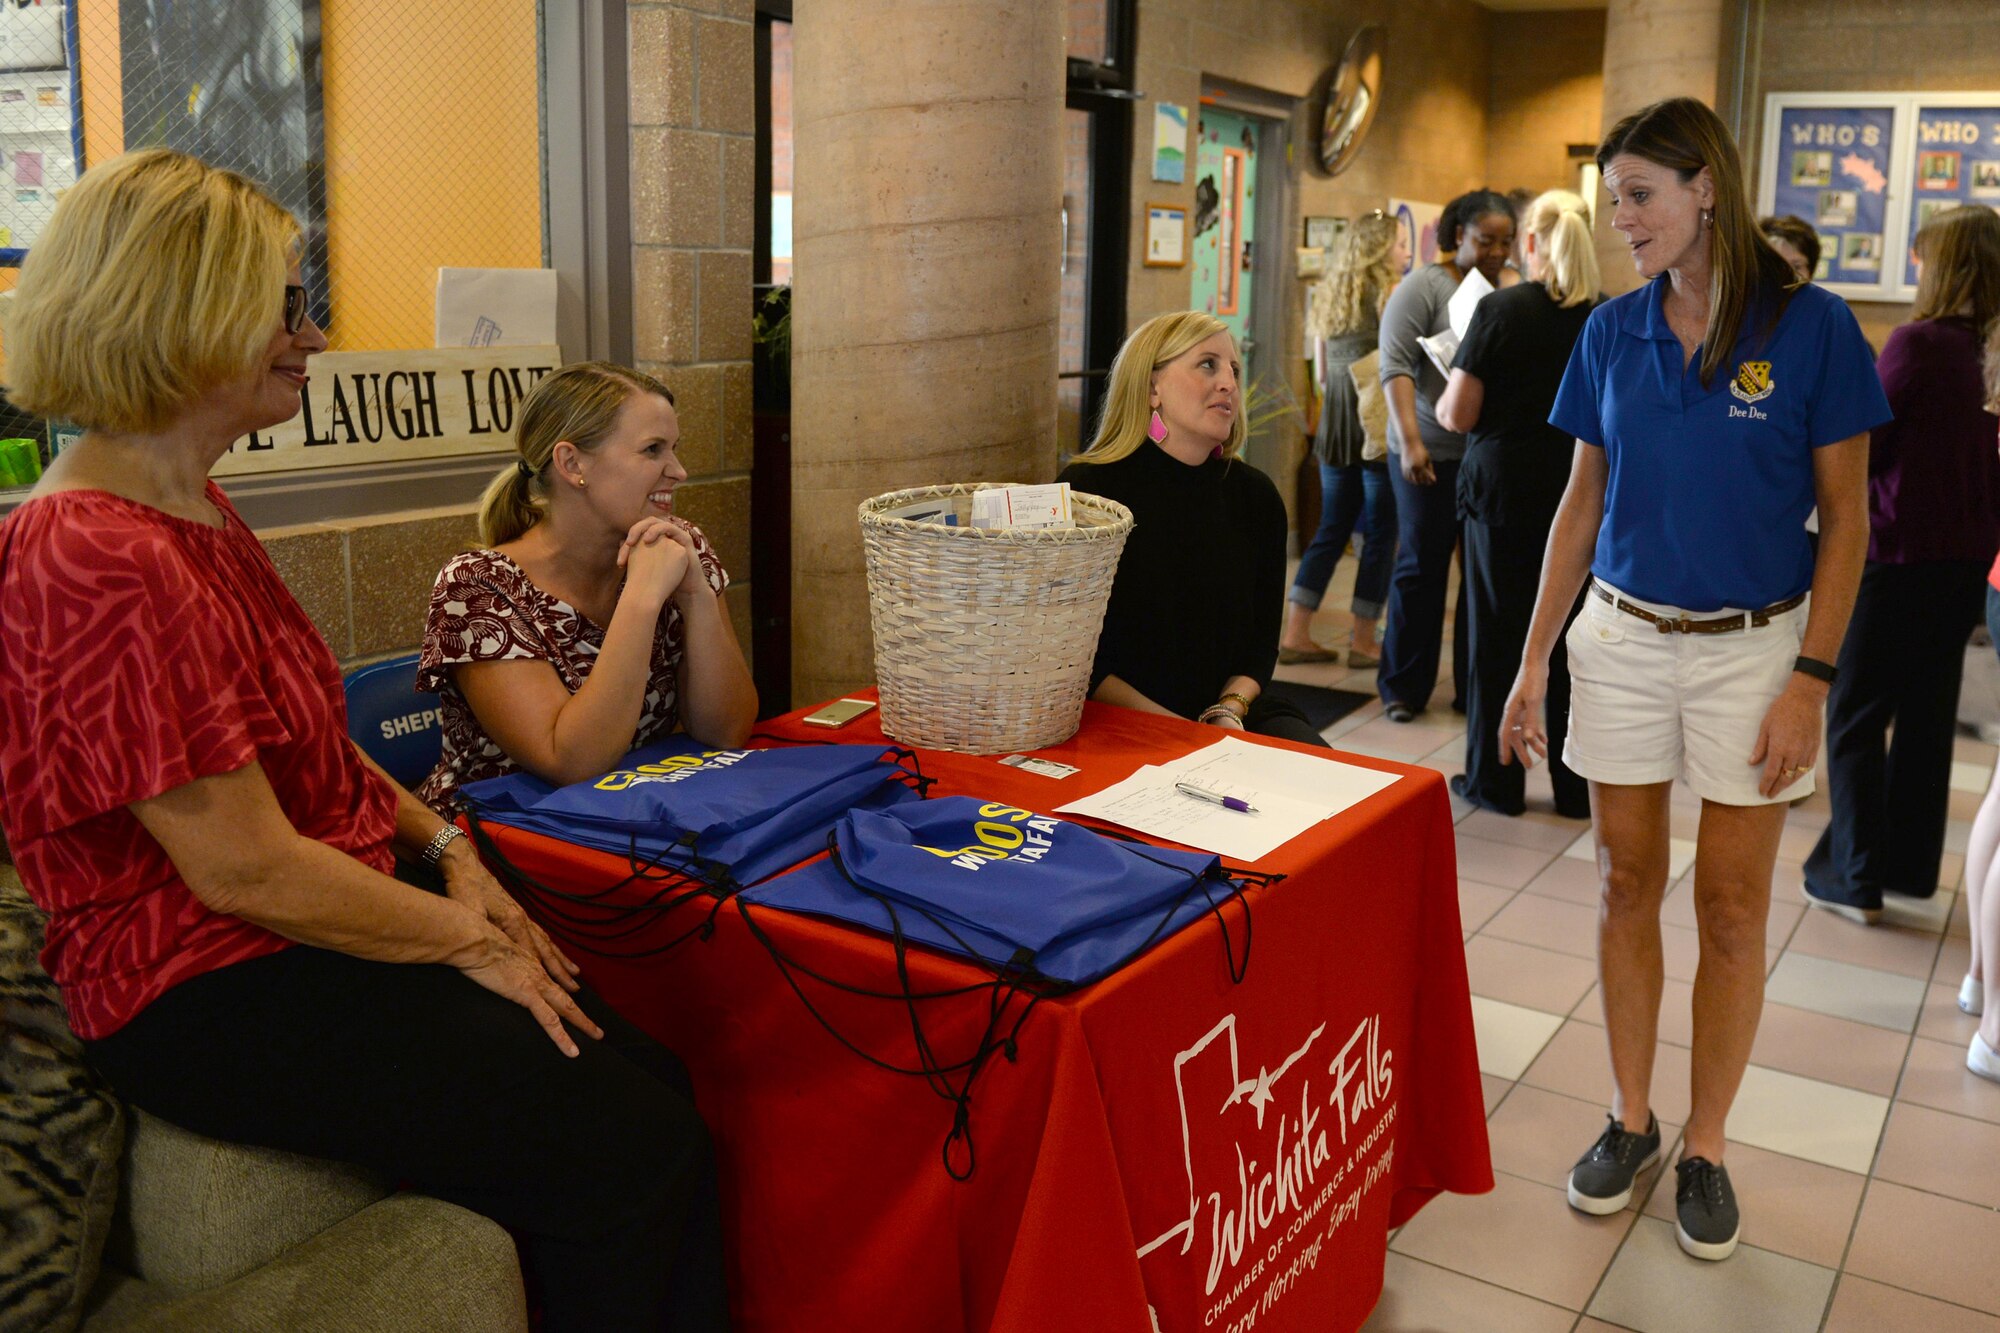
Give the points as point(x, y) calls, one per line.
point(1934, 525)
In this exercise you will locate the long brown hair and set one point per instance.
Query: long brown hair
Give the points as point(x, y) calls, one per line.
point(578, 403)
point(1960, 252)
point(1745, 275)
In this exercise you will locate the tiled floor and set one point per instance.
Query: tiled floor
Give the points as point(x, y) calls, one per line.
point(1867, 1159)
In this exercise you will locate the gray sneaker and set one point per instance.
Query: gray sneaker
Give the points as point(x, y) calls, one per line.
point(1705, 1208)
point(1601, 1181)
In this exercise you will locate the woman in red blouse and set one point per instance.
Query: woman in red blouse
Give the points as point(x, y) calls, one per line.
point(591, 622)
point(214, 855)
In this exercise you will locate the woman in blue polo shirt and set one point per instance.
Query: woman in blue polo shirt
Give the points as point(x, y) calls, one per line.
point(1711, 408)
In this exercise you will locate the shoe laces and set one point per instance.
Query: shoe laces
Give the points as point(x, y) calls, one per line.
point(1702, 1179)
point(1616, 1143)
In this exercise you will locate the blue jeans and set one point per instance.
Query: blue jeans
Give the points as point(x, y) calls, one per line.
point(1426, 535)
point(1345, 494)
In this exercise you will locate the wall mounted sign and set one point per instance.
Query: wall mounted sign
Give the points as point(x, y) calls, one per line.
point(1868, 170)
point(1166, 235)
point(1170, 131)
point(375, 407)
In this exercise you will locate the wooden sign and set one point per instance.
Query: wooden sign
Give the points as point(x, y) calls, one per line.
point(374, 407)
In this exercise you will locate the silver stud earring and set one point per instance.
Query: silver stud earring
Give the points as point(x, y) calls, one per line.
point(1707, 218)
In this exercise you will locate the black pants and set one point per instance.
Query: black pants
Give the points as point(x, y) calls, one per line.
point(1426, 533)
point(1503, 569)
point(1277, 717)
point(600, 1164)
point(1900, 663)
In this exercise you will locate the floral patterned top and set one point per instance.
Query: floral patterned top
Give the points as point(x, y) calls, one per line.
point(484, 608)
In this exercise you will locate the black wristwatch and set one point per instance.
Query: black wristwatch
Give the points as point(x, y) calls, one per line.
point(1815, 668)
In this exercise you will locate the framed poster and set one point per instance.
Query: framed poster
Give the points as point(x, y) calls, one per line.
point(1166, 236)
point(1955, 162)
point(1170, 129)
point(1829, 159)
point(1868, 170)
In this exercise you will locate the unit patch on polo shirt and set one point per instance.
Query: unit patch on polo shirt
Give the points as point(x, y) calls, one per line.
point(1753, 381)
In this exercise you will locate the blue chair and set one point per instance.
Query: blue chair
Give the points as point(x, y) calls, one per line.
point(394, 725)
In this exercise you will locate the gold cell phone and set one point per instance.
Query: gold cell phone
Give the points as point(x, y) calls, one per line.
point(838, 713)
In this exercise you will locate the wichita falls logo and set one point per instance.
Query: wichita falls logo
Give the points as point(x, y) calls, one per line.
point(1753, 381)
point(1304, 1155)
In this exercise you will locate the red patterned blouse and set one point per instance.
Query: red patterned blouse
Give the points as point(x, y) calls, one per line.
point(138, 652)
point(484, 608)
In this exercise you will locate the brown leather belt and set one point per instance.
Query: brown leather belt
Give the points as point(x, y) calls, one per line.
point(1682, 625)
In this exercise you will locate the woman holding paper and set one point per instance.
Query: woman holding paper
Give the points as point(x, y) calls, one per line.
point(1502, 385)
point(1423, 453)
point(1345, 320)
point(592, 620)
point(1192, 626)
point(1710, 408)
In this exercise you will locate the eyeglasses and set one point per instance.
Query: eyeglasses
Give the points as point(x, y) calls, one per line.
point(295, 307)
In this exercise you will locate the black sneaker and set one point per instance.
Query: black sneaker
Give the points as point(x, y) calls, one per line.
point(1601, 1181)
point(1706, 1208)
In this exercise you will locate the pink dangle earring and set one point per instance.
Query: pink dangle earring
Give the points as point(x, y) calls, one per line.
point(1156, 430)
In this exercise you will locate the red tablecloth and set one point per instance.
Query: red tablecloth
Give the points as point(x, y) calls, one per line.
point(1229, 1155)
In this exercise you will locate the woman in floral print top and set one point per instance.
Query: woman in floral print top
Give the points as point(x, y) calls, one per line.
point(592, 620)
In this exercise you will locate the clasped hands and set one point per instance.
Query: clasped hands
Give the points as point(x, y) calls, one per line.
point(660, 561)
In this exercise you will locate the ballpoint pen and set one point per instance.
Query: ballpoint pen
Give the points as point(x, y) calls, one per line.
point(1227, 802)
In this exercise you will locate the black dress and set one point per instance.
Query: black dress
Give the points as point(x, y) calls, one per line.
point(1200, 587)
point(1509, 486)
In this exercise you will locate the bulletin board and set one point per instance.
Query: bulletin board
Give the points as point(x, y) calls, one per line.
point(1868, 170)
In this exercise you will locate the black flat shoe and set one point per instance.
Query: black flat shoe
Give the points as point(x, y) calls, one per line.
point(1399, 712)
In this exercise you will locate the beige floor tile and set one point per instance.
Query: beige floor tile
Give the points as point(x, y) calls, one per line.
point(1522, 974)
point(1943, 1020)
point(1945, 1154)
point(1954, 957)
point(1790, 1206)
point(1396, 737)
point(1538, 1135)
point(1957, 833)
point(1936, 1077)
point(1542, 832)
point(1547, 923)
point(1499, 863)
point(1509, 1035)
point(1804, 1117)
point(1960, 926)
point(1971, 777)
point(1521, 1236)
point(1973, 751)
point(1929, 914)
point(1422, 1298)
point(1886, 948)
point(1861, 1306)
point(1864, 994)
point(1796, 842)
point(1928, 1244)
point(1570, 880)
point(1808, 815)
point(1494, 1089)
point(1964, 804)
point(1834, 1050)
point(1577, 1064)
point(1654, 1288)
point(1676, 1012)
point(1951, 869)
point(1478, 902)
point(1589, 1325)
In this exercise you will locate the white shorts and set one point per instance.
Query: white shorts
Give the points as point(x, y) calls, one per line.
point(1651, 707)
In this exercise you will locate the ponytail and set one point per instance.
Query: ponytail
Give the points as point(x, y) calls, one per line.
point(578, 403)
point(1561, 228)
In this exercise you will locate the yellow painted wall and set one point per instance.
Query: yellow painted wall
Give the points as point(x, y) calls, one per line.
point(432, 149)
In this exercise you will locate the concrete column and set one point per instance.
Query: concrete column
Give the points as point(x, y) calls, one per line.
point(927, 244)
point(1653, 49)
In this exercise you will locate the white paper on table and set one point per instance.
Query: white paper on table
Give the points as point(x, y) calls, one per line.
point(1470, 293)
point(1147, 802)
point(1262, 772)
point(496, 307)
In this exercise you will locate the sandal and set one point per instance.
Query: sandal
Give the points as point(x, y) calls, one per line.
point(1361, 661)
point(1300, 656)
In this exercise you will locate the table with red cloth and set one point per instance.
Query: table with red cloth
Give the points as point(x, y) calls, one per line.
point(1165, 1149)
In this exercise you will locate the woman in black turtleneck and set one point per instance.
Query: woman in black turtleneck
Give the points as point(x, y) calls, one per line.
point(1192, 628)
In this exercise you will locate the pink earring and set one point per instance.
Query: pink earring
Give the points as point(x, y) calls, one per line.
point(1156, 431)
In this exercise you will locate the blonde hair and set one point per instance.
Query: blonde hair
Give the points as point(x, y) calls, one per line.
point(1560, 224)
point(1349, 299)
point(578, 403)
point(1128, 410)
point(157, 279)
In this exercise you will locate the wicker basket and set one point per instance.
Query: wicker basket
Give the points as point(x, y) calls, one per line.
point(984, 637)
